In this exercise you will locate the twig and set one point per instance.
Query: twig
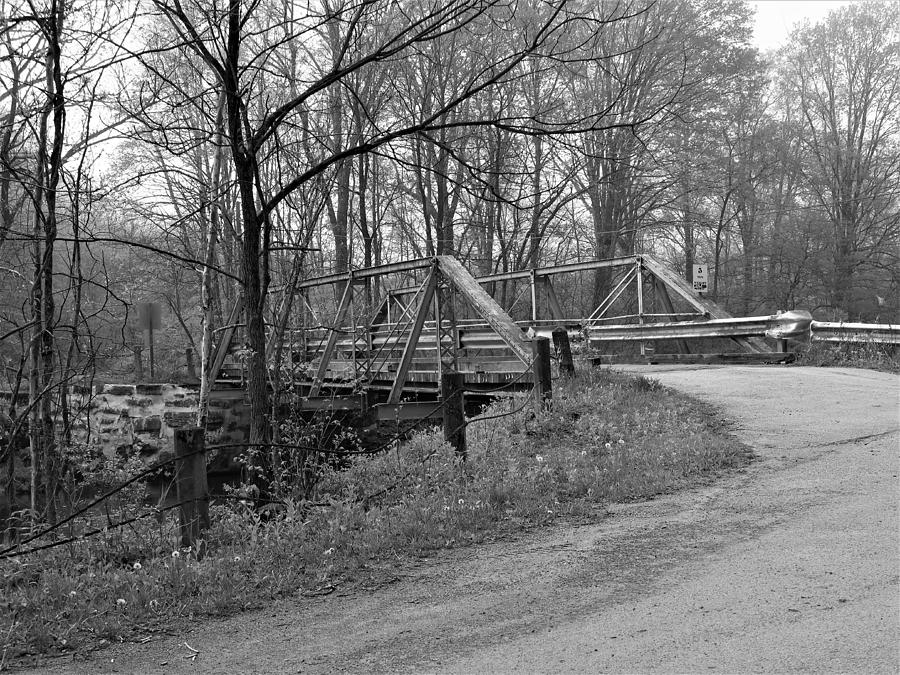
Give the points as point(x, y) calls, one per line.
point(190, 656)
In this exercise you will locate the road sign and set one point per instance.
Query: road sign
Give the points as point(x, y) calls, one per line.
point(700, 278)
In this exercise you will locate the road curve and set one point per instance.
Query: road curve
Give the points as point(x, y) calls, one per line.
point(788, 566)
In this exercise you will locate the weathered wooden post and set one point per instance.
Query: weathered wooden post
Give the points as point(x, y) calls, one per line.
point(563, 351)
point(452, 385)
point(543, 388)
point(138, 363)
point(189, 359)
point(190, 485)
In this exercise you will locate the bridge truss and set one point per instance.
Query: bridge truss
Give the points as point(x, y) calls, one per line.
point(395, 329)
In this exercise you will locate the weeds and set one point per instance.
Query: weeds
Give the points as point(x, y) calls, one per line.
point(872, 355)
point(609, 437)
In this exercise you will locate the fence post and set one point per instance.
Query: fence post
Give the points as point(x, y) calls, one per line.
point(190, 485)
point(138, 362)
point(543, 389)
point(189, 362)
point(563, 350)
point(452, 385)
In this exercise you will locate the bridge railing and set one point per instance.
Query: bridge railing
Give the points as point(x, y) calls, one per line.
point(827, 331)
point(794, 325)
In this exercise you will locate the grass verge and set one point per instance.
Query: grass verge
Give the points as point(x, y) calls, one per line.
point(871, 355)
point(609, 437)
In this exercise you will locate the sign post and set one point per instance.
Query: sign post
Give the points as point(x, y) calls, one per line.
point(700, 278)
point(150, 319)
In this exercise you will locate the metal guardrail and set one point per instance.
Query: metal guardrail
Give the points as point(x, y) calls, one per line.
point(827, 331)
point(796, 325)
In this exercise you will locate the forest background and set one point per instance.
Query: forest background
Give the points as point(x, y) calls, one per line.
point(194, 153)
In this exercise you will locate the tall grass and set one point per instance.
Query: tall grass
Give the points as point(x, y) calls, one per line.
point(872, 355)
point(609, 437)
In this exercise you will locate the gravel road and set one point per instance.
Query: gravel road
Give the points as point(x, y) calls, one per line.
point(790, 565)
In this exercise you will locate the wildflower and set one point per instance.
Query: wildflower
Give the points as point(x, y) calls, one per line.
point(136, 566)
point(539, 458)
point(462, 501)
point(121, 602)
point(584, 453)
point(154, 603)
point(176, 553)
point(621, 441)
point(237, 558)
point(608, 446)
point(72, 594)
point(328, 551)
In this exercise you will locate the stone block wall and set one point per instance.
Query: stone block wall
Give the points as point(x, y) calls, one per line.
point(127, 419)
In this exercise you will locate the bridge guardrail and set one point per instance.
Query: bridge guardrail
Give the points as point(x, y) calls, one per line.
point(828, 331)
point(795, 324)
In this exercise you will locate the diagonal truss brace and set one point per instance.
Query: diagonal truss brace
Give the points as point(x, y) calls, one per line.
point(412, 342)
point(328, 352)
point(495, 316)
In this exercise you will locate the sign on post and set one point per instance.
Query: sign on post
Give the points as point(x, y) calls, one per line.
point(700, 278)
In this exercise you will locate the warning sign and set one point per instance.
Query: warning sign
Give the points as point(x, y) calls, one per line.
point(700, 278)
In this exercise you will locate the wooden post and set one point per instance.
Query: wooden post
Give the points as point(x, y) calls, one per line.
point(189, 358)
point(452, 385)
point(190, 484)
point(563, 351)
point(543, 388)
point(138, 363)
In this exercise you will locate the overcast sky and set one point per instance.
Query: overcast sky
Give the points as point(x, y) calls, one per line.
point(776, 18)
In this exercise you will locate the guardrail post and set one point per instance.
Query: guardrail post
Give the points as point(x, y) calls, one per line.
point(191, 488)
point(543, 388)
point(452, 385)
point(563, 351)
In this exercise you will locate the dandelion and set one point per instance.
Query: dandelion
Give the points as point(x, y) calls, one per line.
point(328, 551)
point(539, 458)
point(621, 441)
point(237, 558)
point(154, 603)
point(176, 554)
point(121, 602)
point(72, 594)
point(608, 446)
point(584, 453)
point(136, 566)
point(462, 501)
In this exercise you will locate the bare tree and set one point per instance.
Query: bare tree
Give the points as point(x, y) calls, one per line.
point(846, 74)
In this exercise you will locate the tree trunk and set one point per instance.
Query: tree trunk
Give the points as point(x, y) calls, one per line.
point(251, 249)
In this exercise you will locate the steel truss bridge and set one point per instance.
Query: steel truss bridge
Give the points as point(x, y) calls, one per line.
point(393, 330)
